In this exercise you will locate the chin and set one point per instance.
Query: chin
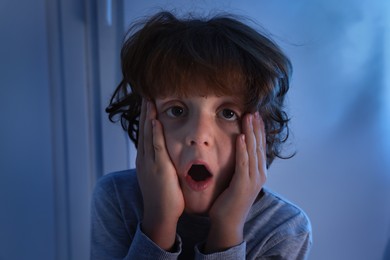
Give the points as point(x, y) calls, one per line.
point(198, 212)
point(198, 208)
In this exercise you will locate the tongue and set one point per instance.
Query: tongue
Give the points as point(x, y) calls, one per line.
point(199, 172)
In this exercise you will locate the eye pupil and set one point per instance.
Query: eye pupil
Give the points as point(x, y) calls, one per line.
point(177, 111)
point(228, 113)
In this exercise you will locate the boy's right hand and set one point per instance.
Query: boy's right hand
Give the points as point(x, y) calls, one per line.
point(162, 196)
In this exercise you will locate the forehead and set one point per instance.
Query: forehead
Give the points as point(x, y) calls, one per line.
point(237, 100)
point(206, 103)
point(202, 85)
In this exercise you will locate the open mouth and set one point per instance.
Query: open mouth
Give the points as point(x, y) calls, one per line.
point(199, 172)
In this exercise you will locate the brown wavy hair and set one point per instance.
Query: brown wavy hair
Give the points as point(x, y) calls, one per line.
point(162, 54)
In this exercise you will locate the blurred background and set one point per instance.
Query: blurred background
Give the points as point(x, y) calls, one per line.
point(59, 64)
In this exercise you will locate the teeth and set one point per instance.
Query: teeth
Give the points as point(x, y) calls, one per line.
point(199, 172)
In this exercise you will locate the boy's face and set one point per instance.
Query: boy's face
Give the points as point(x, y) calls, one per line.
point(200, 134)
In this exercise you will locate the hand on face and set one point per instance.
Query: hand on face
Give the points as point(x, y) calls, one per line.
point(230, 210)
point(162, 196)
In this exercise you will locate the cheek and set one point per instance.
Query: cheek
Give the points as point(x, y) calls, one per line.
point(227, 151)
point(230, 134)
point(227, 164)
point(171, 142)
point(232, 154)
point(171, 145)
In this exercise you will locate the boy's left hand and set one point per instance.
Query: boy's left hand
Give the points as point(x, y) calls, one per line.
point(229, 212)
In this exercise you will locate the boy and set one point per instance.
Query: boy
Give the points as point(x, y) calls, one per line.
point(202, 100)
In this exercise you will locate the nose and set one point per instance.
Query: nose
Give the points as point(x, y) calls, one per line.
point(199, 131)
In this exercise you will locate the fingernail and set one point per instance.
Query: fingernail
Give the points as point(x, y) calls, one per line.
point(148, 106)
point(257, 116)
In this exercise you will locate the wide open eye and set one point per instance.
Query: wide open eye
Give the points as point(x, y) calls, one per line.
point(175, 111)
point(228, 114)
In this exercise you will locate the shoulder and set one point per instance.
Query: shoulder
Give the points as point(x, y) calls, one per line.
point(118, 187)
point(116, 210)
point(277, 227)
point(117, 181)
point(278, 215)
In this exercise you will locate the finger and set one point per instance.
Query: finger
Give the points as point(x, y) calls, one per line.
point(261, 145)
point(140, 145)
point(160, 151)
point(250, 140)
point(148, 131)
point(242, 159)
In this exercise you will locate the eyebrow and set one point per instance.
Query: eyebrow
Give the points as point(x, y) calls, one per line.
point(238, 101)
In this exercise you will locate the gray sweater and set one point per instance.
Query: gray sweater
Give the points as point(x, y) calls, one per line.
point(274, 229)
